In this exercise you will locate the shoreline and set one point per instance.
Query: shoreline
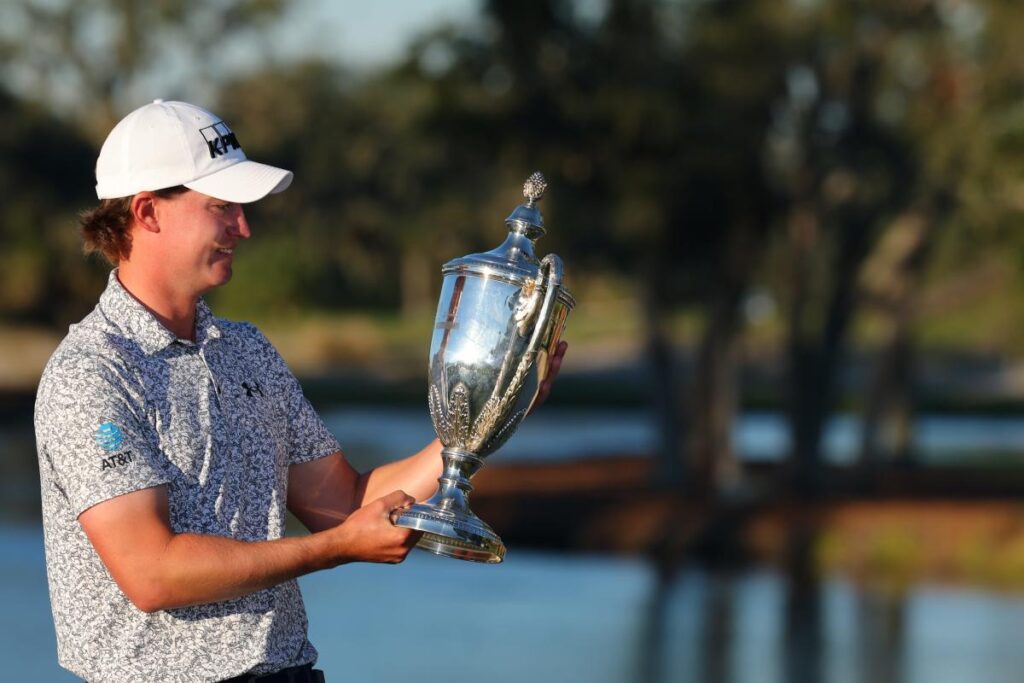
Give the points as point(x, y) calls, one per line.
point(891, 527)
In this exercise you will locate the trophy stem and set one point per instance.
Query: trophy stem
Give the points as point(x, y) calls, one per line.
point(453, 484)
point(449, 527)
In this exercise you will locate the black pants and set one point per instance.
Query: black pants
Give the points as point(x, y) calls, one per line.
point(294, 674)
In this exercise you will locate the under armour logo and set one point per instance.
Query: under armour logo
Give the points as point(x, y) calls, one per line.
point(219, 138)
point(253, 388)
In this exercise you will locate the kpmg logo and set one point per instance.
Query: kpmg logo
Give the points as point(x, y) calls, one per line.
point(109, 437)
point(219, 139)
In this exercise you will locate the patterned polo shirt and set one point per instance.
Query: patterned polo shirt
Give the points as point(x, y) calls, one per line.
point(124, 405)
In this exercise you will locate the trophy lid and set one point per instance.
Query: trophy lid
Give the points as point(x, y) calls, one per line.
point(514, 260)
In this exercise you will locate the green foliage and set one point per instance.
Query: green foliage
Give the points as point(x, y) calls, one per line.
point(93, 56)
point(690, 146)
point(46, 177)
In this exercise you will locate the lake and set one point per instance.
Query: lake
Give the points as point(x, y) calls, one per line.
point(594, 619)
point(554, 617)
point(378, 433)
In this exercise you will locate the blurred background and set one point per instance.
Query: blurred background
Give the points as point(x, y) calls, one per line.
point(788, 439)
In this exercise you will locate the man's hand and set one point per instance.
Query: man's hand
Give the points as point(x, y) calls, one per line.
point(554, 365)
point(368, 534)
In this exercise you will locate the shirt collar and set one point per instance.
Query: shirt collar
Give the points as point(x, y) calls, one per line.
point(206, 324)
point(128, 313)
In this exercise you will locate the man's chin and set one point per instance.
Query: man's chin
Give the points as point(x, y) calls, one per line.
point(220, 276)
point(224, 279)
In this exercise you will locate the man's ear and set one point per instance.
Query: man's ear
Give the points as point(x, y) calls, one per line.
point(143, 209)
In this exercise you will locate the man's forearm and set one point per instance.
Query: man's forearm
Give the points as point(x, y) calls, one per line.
point(323, 493)
point(194, 569)
point(416, 475)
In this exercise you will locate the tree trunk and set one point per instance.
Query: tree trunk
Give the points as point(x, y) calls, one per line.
point(802, 355)
point(669, 464)
point(886, 429)
point(713, 398)
point(894, 282)
point(815, 358)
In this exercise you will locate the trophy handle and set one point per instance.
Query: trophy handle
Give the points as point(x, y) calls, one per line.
point(551, 265)
point(489, 435)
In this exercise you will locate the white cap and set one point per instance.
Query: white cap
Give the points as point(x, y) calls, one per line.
point(165, 144)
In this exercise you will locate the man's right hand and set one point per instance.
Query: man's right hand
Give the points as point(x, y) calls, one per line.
point(368, 535)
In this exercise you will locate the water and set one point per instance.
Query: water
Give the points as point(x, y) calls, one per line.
point(545, 617)
point(535, 617)
point(380, 433)
point(549, 617)
point(376, 434)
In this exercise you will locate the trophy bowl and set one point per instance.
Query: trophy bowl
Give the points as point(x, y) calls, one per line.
point(499, 317)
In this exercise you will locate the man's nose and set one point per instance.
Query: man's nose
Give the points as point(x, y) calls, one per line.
point(241, 226)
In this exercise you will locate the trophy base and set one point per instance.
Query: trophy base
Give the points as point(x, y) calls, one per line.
point(457, 534)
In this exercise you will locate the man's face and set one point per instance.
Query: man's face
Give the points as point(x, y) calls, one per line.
point(199, 234)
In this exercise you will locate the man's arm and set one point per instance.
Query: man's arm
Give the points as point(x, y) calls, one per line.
point(158, 569)
point(323, 493)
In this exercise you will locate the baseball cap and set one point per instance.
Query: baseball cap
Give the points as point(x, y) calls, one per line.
point(164, 144)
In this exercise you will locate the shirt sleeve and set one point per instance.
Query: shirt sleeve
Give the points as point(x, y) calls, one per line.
point(93, 432)
point(308, 436)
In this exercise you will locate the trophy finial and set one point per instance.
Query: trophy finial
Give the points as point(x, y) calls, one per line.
point(534, 187)
point(526, 219)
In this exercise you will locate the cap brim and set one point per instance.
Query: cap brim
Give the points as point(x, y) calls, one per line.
point(246, 181)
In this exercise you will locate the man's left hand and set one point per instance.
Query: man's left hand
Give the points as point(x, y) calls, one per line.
point(554, 365)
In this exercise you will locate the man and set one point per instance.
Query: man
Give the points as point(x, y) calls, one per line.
point(171, 441)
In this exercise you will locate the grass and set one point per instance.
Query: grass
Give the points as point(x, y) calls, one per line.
point(892, 546)
point(606, 328)
point(970, 314)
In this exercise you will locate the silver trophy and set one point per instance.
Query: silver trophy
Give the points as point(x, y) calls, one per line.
point(499, 317)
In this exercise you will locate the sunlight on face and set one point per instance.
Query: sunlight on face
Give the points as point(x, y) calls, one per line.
point(198, 238)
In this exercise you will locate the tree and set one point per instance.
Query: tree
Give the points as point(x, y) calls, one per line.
point(46, 174)
point(99, 58)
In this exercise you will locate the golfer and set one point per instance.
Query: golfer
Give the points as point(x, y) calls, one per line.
point(172, 442)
